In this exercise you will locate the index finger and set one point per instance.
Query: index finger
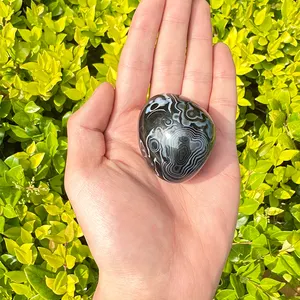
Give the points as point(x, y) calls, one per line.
point(135, 66)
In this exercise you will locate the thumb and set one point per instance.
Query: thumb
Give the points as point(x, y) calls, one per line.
point(86, 127)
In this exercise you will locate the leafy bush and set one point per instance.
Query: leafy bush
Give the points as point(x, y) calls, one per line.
point(50, 54)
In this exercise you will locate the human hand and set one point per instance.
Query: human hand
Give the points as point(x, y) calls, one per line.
point(152, 239)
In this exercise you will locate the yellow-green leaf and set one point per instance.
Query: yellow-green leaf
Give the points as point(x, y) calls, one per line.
point(260, 16)
point(20, 289)
point(36, 160)
point(54, 261)
point(70, 261)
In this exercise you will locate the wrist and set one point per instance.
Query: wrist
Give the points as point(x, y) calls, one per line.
point(133, 289)
point(125, 290)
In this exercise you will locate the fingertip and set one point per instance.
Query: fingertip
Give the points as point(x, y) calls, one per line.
point(95, 113)
point(223, 46)
point(223, 61)
point(104, 87)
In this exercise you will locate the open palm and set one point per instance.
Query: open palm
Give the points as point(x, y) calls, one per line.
point(152, 239)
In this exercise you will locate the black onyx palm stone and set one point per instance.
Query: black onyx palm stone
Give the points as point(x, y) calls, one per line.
point(176, 137)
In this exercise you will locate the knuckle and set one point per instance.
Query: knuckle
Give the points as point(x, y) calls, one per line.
point(167, 66)
point(73, 122)
point(143, 26)
point(224, 74)
point(224, 102)
point(174, 20)
point(198, 76)
point(201, 38)
point(177, 14)
point(135, 64)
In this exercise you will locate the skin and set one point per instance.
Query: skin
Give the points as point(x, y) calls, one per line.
point(152, 239)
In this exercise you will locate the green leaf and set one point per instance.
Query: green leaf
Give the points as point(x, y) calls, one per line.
point(42, 172)
point(253, 271)
point(287, 8)
point(82, 273)
point(73, 94)
point(16, 276)
point(295, 211)
point(10, 261)
point(256, 179)
point(237, 285)
point(287, 155)
point(16, 175)
point(19, 132)
point(274, 211)
point(239, 252)
point(250, 232)
point(36, 160)
point(249, 206)
point(24, 254)
point(52, 143)
point(263, 166)
point(226, 294)
point(296, 177)
point(53, 210)
point(80, 86)
point(49, 36)
point(9, 211)
point(5, 107)
point(31, 108)
point(294, 125)
point(26, 236)
point(22, 119)
point(54, 261)
point(2, 224)
point(59, 163)
point(11, 245)
point(277, 117)
point(283, 194)
point(60, 282)
point(42, 231)
point(271, 285)
point(261, 241)
point(260, 16)
point(60, 24)
point(20, 289)
point(291, 263)
point(2, 134)
point(294, 240)
point(25, 34)
point(13, 232)
point(36, 276)
point(250, 160)
point(70, 261)
point(22, 51)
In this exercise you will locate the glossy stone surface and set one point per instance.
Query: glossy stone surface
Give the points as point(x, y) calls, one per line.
point(176, 137)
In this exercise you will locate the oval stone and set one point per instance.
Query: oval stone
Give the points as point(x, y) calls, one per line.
point(176, 137)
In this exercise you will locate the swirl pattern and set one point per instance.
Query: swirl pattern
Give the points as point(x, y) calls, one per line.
point(176, 137)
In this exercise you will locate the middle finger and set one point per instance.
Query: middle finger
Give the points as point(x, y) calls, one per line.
point(170, 54)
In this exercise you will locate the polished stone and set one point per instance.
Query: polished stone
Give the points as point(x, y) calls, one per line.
point(176, 137)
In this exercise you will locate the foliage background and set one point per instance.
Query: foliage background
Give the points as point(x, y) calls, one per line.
point(53, 54)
